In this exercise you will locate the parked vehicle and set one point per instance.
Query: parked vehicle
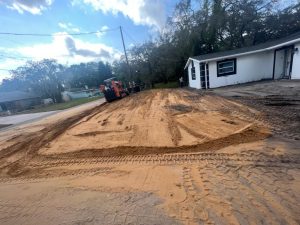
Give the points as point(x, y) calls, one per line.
point(113, 89)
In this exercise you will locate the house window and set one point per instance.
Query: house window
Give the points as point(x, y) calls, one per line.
point(193, 72)
point(226, 67)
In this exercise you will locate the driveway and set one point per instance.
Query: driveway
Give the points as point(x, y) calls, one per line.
point(261, 89)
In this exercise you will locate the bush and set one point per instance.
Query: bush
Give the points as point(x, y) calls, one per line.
point(173, 84)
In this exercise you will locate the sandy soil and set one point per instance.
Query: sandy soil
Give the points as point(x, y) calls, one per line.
point(158, 157)
point(159, 121)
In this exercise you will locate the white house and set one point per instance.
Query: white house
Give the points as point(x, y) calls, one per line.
point(77, 93)
point(279, 59)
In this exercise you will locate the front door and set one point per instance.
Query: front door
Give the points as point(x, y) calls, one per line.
point(283, 61)
point(287, 62)
point(207, 75)
point(204, 76)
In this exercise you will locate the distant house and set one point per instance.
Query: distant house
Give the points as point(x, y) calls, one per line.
point(76, 93)
point(16, 101)
point(279, 59)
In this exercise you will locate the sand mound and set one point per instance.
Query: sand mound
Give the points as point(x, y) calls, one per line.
point(159, 121)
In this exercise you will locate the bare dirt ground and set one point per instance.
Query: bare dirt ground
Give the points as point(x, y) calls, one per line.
point(158, 157)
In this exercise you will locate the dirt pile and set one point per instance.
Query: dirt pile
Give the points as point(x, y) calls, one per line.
point(152, 122)
point(163, 120)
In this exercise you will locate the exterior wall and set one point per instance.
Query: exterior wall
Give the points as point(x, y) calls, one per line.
point(76, 95)
point(194, 83)
point(251, 67)
point(296, 63)
point(68, 95)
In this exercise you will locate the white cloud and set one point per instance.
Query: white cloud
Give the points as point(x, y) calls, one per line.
point(102, 31)
point(104, 28)
point(65, 49)
point(4, 75)
point(9, 64)
point(69, 49)
point(69, 27)
point(32, 6)
point(63, 25)
point(141, 12)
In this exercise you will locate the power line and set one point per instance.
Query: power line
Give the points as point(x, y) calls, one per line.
point(58, 34)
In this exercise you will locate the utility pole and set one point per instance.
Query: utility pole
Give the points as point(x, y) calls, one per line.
point(129, 70)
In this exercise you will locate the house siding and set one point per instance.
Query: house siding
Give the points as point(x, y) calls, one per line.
point(252, 67)
point(194, 83)
point(249, 67)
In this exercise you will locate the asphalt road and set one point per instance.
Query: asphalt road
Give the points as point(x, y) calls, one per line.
point(15, 120)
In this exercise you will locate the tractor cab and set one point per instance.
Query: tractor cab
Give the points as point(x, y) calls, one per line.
point(113, 89)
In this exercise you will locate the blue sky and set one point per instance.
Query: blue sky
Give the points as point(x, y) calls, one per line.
point(140, 20)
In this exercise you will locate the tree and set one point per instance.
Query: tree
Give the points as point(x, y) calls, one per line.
point(201, 27)
point(89, 74)
point(41, 77)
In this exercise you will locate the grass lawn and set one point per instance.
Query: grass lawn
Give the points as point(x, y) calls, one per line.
point(61, 106)
point(167, 85)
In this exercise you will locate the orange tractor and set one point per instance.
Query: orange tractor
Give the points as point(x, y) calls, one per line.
point(113, 89)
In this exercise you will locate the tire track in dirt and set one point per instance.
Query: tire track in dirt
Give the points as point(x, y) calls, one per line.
point(283, 207)
point(253, 204)
point(175, 133)
point(95, 133)
point(47, 166)
point(192, 132)
point(199, 201)
point(291, 161)
point(218, 193)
